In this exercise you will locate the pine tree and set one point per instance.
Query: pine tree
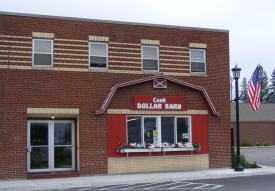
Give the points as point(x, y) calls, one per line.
point(243, 96)
point(264, 85)
point(271, 95)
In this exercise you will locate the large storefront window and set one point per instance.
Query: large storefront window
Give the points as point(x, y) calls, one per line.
point(50, 145)
point(158, 129)
point(150, 130)
point(134, 130)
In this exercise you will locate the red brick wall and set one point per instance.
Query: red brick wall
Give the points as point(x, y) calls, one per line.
point(256, 132)
point(87, 90)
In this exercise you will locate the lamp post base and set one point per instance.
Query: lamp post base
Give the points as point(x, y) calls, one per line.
point(239, 168)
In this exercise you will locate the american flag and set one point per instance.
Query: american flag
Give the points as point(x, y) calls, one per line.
point(254, 89)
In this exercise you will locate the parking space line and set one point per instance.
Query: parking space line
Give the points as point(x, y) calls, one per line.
point(218, 186)
point(160, 185)
point(136, 186)
point(202, 186)
point(164, 185)
point(113, 187)
point(187, 183)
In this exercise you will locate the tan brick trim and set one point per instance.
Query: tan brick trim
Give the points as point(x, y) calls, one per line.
point(26, 47)
point(177, 47)
point(133, 62)
point(126, 72)
point(62, 63)
point(48, 112)
point(76, 45)
point(118, 52)
point(184, 74)
point(16, 41)
point(123, 48)
point(175, 51)
point(76, 59)
point(71, 50)
point(125, 57)
point(70, 54)
point(15, 61)
point(10, 36)
point(120, 165)
point(13, 56)
point(53, 110)
point(42, 35)
point(197, 45)
point(150, 42)
point(183, 69)
point(124, 43)
point(45, 68)
point(144, 112)
point(175, 64)
point(16, 51)
point(176, 60)
point(70, 40)
point(88, 70)
point(119, 66)
point(179, 56)
point(99, 38)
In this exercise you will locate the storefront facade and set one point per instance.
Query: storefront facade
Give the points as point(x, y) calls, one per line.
point(111, 97)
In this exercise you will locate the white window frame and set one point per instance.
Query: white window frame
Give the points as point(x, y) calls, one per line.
point(50, 145)
point(38, 39)
point(204, 54)
point(159, 127)
point(149, 58)
point(98, 68)
point(189, 128)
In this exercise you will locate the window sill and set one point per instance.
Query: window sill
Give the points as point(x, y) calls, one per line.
point(140, 150)
point(155, 150)
point(177, 149)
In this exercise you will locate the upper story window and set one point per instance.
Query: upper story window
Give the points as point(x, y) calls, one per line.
point(42, 52)
point(197, 61)
point(150, 58)
point(98, 55)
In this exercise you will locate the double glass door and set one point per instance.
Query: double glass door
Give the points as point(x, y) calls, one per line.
point(50, 145)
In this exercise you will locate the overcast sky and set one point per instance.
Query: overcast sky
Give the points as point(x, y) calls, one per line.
point(251, 22)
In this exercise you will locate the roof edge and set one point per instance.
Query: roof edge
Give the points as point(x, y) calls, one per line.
point(112, 22)
point(114, 88)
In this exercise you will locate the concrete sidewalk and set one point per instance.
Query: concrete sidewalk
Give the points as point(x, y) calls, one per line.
point(91, 181)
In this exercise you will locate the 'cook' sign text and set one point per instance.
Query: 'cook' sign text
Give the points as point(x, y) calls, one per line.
point(158, 103)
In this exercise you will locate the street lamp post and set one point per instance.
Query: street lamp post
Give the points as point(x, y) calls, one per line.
point(236, 75)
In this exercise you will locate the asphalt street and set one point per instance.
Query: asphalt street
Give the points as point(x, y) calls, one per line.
point(250, 183)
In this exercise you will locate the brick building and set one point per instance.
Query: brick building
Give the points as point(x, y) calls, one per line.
point(82, 96)
point(257, 127)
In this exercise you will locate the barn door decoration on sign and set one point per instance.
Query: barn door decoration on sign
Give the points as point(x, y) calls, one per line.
point(159, 83)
